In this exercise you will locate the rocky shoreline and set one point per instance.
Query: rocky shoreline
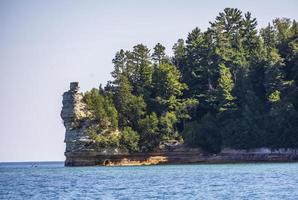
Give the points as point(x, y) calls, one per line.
point(180, 157)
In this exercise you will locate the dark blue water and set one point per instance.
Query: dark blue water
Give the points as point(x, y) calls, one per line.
point(221, 181)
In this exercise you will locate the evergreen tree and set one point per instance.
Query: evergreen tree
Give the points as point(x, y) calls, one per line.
point(225, 87)
point(149, 132)
point(130, 139)
point(102, 109)
point(159, 55)
point(142, 69)
point(131, 108)
point(179, 54)
point(166, 124)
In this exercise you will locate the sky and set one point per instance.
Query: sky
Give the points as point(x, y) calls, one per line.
point(46, 44)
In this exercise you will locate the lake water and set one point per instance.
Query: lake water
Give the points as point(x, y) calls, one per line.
point(218, 181)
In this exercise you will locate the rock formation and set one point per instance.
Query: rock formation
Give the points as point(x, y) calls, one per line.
point(73, 113)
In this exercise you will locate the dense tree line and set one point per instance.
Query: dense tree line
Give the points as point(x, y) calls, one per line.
point(229, 86)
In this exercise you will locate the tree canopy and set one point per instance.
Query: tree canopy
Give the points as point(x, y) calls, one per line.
point(229, 86)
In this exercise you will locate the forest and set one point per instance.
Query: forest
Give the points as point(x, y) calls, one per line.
point(233, 85)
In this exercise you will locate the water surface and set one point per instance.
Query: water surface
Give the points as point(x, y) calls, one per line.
point(207, 181)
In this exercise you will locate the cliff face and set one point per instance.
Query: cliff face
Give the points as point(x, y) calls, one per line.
point(73, 113)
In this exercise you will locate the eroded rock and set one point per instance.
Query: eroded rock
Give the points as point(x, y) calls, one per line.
point(74, 113)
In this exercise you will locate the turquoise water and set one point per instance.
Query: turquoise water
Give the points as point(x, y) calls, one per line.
point(219, 181)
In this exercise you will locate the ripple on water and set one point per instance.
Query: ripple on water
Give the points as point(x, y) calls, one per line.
point(221, 181)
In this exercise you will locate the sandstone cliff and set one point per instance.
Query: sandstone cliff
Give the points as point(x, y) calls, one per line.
point(73, 114)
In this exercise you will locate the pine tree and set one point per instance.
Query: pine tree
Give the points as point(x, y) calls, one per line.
point(131, 108)
point(159, 55)
point(149, 132)
point(179, 54)
point(142, 69)
point(102, 109)
point(225, 87)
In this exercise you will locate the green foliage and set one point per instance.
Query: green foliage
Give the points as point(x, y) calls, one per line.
point(149, 132)
point(167, 122)
point(179, 54)
point(159, 55)
point(205, 134)
point(225, 87)
point(131, 108)
point(167, 81)
point(102, 109)
point(105, 140)
point(168, 89)
point(130, 139)
point(139, 61)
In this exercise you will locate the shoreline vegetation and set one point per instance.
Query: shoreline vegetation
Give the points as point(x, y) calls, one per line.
point(232, 86)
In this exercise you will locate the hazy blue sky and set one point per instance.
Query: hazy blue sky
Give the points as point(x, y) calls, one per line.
point(44, 45)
